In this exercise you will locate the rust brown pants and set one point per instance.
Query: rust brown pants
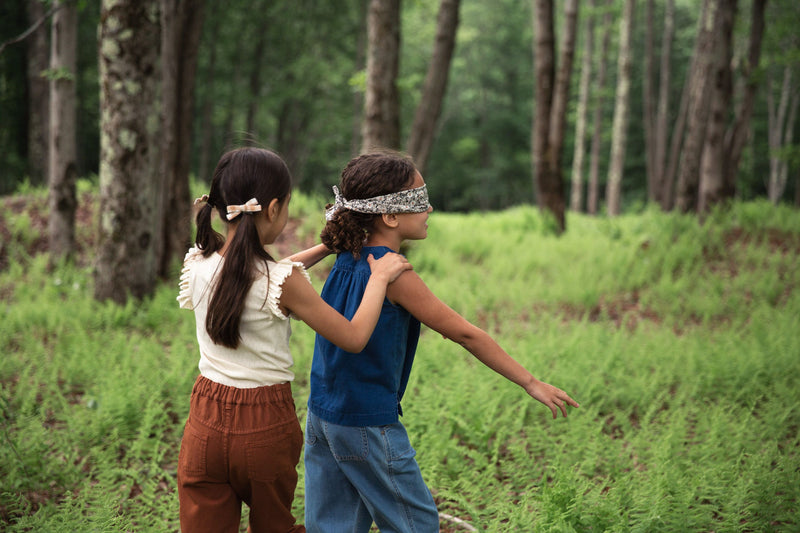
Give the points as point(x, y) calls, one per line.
point(239, 445)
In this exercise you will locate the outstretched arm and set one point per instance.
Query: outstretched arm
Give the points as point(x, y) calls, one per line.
point(311, 256)
point(410, 292)
point(300, 298)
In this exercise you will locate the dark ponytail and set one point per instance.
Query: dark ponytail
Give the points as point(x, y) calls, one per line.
point(240, 175)
point(365, 176)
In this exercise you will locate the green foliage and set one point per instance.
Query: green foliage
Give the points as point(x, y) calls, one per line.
point(679, 339)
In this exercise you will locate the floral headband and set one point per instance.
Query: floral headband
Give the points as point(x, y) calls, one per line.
point(407, 201)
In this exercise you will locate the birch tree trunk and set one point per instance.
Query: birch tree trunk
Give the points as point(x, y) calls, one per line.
point(712, 173)
point(430, 104)
point(62, 148)
point(381, 127)
point(687, 189)
point(38, 56)
point(576, 196)
point(551, 95)
point(593, 192)
point(181, 25)
point(130, 188)
point(620, 125)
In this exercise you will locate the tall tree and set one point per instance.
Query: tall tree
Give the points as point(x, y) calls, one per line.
point(381, 127)
point(715, 154)
point(181, 25)
point(130, 184)
point(551, 94)
point(576, 193)
point(593, 189)
point(678, 130)
point(660, 132)
point(687, 187)
point(780, 125)
point(38, 55)
point(621, 105)
point(430, 105)
point(62, 147)
point(738, 133)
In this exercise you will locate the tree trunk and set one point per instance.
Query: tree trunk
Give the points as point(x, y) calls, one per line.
point(130, 184)
point(181, 25)
point(576, 196)
point(780, 125)
point(687, 189)
point(358, 96)
point(430, 105)
point(38, 56)
point(648, 101)
point(62, 147)
point(207, 105)
point(620, 125)
point(676, 143)
point(737, 135)
point(381, 128)
point(660, 132)
point(712, 174)
point(551, 97)
point(593, 192)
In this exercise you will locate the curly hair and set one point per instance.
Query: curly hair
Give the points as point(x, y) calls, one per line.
point(365, 176)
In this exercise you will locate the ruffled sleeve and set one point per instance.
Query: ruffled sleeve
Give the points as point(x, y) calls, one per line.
point(185, 289)
point(278, 273)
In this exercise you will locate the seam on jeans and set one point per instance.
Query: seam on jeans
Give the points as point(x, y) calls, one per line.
point(387, 450)
point(364, 445)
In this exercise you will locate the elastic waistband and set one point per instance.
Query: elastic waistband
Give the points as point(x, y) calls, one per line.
point(254, 396)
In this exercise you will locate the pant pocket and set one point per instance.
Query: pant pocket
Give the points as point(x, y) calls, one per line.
point(271, 454)
point(193, 455)
point(347, 443)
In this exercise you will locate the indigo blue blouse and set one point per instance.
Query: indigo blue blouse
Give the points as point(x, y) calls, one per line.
point(362, 389)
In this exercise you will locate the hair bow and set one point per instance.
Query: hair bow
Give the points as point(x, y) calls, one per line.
point(250, 206)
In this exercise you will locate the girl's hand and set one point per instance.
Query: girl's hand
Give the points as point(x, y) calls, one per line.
point(388, 267)
point(553, 397)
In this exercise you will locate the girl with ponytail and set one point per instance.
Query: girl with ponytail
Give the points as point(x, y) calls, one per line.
point(242, 440)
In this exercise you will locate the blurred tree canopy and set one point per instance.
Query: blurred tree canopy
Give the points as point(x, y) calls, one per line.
point(289, 74)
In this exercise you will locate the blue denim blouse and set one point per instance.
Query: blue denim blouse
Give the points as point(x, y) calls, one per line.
point(362, 389)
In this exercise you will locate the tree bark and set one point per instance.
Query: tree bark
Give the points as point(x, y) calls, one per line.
point(429, 109)
point(687, 189)
point(130, 184)
point(38, 55)
point(780, 126)
point(181, 26)
point(676, 142)
point(712, 174)
point(576, 195)
point(551, 97)
point(62, 147)
point(381, 127)
point(620, 125)
point(593, 192)
point(648, 100)
point(660, 132)
point(737, 135)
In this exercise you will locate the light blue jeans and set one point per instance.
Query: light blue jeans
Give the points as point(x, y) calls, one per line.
point(357, 475)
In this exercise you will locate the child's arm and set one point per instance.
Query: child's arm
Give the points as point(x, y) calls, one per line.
point(410, 292)
point(311, 256)
point(300, 298)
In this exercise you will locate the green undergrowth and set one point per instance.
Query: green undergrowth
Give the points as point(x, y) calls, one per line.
point(679, 339)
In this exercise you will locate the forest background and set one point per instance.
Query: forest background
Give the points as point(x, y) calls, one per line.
point(664, 300)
